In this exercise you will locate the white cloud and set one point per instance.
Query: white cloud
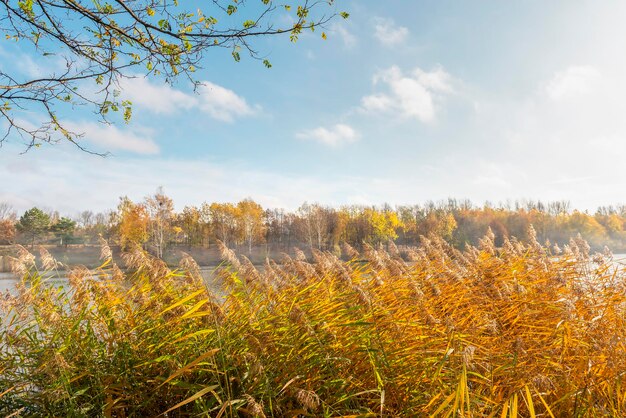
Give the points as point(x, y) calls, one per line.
point(414, 95)
point(39, 179)
point(48, 183)
point(492, 175)
point(27, 65)
point(158, 98)
point(106, 137)
point(38, 67)
point(347, 37)
point(388, 33)
point(575, 81)
point(567, 137)
point(218, 102)
point(377, 102)
point(221, 103)
point(337, 135)
point(111, 138)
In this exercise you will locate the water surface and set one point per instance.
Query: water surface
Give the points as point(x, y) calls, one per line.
point(8, 280)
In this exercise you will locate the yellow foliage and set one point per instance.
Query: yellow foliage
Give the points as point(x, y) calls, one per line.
point(133, 225)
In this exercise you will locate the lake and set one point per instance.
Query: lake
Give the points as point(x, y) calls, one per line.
point(8, 280)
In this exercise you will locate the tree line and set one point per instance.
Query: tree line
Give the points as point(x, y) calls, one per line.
point(155, 225)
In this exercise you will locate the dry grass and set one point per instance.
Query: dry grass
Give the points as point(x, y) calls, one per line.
point(504, 332)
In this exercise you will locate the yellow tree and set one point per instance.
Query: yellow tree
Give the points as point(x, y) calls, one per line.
point(585, 225)
point(316, 221)
point(338, 229)
point(133, 223)
point(204, 221)
point(613, 223)
point(190, 225)
point(446, 225)
point(223, 218)
point(384, 225)
point(250, 216)
point(160, 210)
point(439, 223)
point(410, 216)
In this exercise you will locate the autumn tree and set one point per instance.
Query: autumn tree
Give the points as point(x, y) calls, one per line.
point(410, 217)
point(100, 43)
point(314, 224)
point(358, 227)
point(615, 224)
point(384, 225)
point(438, 222)
point(7, 223)
point(104, 225)
point(246, 223)
point(133, 223)
point(279, 226)
point(336, 230)
point(192, 228)
point(250, 217)
point(223, 218)
point(160, 209)
point(585, 225)
point(7, 231)
point(205, 223)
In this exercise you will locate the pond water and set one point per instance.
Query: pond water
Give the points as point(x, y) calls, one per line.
point(8, 280)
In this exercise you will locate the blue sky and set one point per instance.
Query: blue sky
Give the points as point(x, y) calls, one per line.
point(406, 101)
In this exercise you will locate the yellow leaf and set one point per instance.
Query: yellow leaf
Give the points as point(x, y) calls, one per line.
point(189, 366)
point(183, 300)
point(195, 308)
point(191, 399)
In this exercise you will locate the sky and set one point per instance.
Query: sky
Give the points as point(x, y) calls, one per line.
point(406, 101)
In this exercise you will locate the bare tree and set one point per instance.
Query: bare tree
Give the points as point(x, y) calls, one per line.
point(7, 212)
point(86, 219)
point(161, 212)
point(315, 219)
point(99, 43)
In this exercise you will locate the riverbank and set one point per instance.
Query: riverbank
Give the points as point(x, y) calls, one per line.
point(89, 255)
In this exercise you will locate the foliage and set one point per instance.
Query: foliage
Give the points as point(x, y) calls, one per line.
point(97, 44)
point(7, 231)
point(160, 211)
point(224, 221)
point(314, 226)
point(34, 223)
point(510, 331)
point(133, 224)
point(64, 229)
point(250, 215)
point(193, 225)
point(384, 225)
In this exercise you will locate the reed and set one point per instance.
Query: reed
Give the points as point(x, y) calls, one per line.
point(507, 332)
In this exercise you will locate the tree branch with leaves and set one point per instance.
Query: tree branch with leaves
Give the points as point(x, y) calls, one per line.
point(100, 42)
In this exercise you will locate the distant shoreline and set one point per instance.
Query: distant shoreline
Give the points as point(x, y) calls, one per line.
point(206, 258)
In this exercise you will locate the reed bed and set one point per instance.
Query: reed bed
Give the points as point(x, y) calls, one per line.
point(524, 330)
